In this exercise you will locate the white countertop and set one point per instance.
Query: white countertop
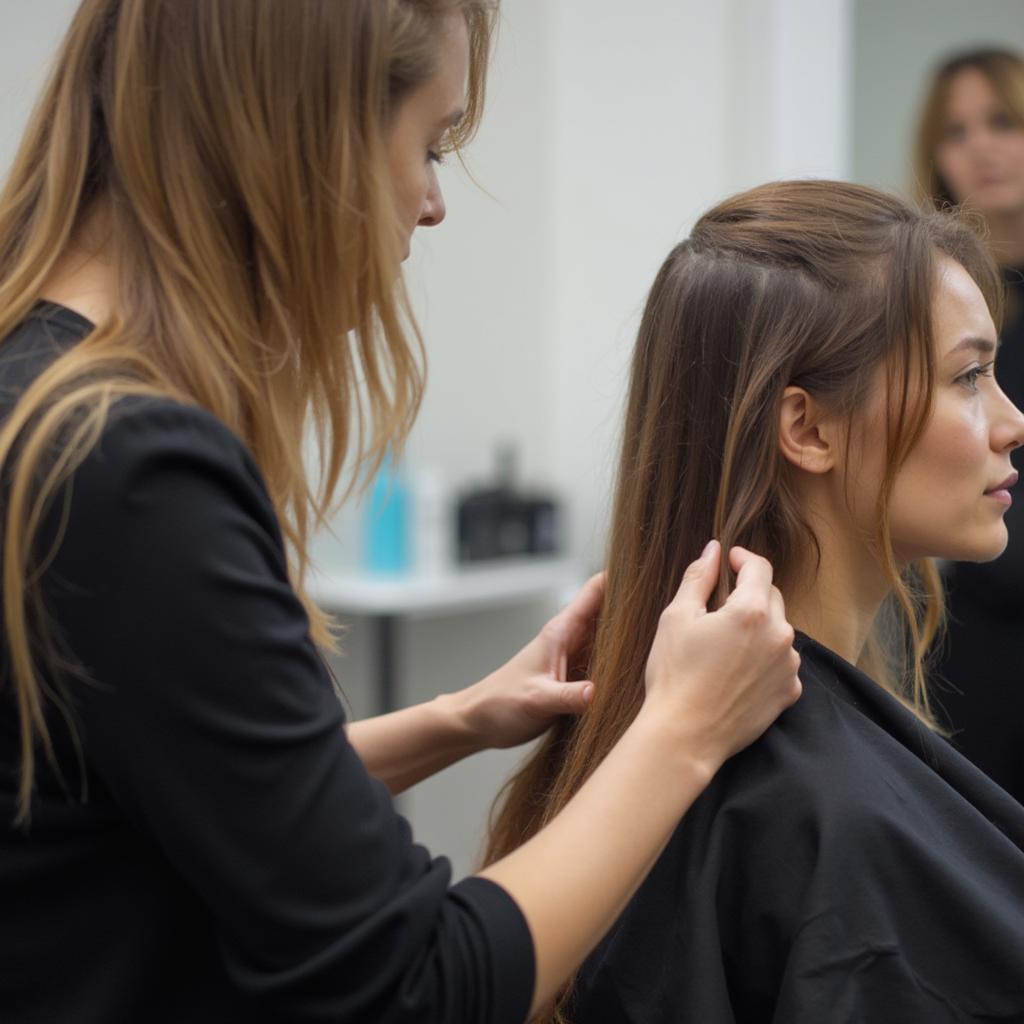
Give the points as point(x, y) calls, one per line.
point(463, 588)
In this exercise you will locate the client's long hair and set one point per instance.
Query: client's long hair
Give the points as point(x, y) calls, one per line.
point(811, 283)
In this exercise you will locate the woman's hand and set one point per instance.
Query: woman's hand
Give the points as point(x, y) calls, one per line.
point(518, 701)
point(723, 676)
point(512, 705)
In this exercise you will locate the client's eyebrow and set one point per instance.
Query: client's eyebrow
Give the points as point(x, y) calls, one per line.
point(983, 346)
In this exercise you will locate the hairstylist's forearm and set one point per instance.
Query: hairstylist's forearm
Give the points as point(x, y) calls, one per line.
point(407, 746)
point(574, 878)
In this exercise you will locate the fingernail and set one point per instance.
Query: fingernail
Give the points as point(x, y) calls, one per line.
point(588, 693)
point(708, 548)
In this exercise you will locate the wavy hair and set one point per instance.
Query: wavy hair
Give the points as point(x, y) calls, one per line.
point(812, 283)
point(237, 151)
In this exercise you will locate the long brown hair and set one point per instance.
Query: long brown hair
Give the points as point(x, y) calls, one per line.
point(237, 148)
point(1005, 73)
point(810, 283)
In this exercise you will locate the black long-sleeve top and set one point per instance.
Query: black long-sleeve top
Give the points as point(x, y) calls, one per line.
point(850, 867)
point(232, 860)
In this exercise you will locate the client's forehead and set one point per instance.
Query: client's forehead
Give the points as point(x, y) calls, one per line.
point(960, 312)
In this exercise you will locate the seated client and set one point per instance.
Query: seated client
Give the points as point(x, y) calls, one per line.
point(813, 380)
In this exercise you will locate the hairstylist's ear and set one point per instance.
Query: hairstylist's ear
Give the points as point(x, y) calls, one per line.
point(804, 439)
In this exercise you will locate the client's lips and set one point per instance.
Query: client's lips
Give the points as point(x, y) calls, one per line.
point(1006, 484)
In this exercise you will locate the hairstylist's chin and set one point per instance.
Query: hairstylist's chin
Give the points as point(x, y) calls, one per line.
point(403, 238)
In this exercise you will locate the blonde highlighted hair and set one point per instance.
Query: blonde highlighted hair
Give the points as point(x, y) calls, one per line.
point(236, 149)
point(816, 284)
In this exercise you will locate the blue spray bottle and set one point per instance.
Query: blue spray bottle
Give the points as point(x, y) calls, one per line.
point(386, 525)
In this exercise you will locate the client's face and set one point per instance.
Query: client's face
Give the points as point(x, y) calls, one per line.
point(952, 492)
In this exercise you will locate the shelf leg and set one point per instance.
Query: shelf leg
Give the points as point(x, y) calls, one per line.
point(387, 659)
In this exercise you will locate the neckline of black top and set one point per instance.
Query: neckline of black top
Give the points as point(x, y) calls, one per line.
point(63, 316)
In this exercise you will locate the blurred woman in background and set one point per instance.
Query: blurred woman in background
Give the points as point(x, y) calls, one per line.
point(970, 151)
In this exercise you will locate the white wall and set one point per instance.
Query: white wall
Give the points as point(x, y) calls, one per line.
point(31, 31)
point(657, 111)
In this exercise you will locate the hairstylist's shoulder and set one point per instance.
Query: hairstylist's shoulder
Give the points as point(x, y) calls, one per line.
point(165, 465)
point(161, 435)
point(143, 425)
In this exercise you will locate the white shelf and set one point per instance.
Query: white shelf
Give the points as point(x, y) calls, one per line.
point(462, 589)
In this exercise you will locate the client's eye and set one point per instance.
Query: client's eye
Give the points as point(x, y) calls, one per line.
point(969, 380)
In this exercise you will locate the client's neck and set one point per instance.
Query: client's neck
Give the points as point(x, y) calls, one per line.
point(836, 601)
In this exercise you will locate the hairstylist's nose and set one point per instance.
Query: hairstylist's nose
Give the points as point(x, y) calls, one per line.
point(434, 210)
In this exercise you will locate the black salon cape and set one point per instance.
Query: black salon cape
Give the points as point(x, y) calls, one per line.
point(848, 867)
point(233, 861)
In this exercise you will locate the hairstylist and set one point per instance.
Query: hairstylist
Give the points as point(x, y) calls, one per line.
point(200, 249)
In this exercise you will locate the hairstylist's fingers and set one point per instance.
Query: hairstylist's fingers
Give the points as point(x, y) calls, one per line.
point(573, 698)
point(576, 618)
point(784, 635)
point(547, 699)
point(699, 580)
point(570, 630)
point(588, 598)
point(744, 562)
point(795, 688)
point(753, 577)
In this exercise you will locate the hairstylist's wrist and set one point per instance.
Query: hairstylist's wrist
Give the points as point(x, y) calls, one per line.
point(684, 748)
point(459, 714)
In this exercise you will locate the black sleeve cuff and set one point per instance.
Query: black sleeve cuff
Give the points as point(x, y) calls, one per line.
point(506, 938)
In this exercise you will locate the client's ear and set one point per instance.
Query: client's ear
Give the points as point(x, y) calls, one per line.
point(804, 438)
